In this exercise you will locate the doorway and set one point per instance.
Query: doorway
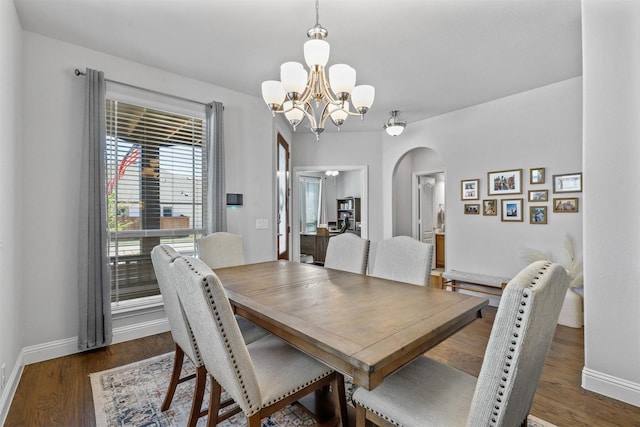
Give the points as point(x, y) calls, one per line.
point(350, 181)
point(283, 198)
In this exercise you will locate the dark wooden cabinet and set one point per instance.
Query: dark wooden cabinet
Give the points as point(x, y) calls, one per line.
point(314, 245)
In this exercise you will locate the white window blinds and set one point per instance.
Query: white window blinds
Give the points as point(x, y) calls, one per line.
point(155, 190)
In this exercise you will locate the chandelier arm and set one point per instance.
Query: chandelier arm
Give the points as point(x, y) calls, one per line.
point(327, 91)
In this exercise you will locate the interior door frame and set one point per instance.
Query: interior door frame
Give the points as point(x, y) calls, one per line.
point(295, 205)
point(280, 140)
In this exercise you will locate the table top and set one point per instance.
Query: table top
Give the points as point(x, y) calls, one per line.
point(362, 326)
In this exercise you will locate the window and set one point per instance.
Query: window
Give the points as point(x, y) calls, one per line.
point(310, 189)
point(155, 191)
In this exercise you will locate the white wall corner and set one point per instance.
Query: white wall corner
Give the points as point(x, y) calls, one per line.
point(10, 388)
point(616, 388)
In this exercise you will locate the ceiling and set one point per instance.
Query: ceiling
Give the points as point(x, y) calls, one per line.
point(424, 57)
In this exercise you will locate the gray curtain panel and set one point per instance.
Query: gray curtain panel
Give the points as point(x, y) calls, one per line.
point(95, 329)
point(216, 210)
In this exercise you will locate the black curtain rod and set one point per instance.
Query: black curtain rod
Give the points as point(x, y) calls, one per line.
point(80, 73)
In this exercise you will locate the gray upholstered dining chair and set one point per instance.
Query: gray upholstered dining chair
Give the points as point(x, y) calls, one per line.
point(404, 259)
point(263, 376)
point(221, 249)
point(347, 252)
point(162, 257)
point(428, 393)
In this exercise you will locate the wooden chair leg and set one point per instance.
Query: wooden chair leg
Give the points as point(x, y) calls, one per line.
point(198, 396)
point(361, 416)
point(214, 402)
point(340, 399)
point(254, 420)
point(175, 378)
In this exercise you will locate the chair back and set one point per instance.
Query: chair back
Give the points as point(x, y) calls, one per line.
point(520, 339)
point(347, 252)
point(163, 257)
point(214, 325)
point(404, 259)
point(221, 249)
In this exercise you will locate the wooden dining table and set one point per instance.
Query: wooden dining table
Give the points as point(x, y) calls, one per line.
point(362, 326)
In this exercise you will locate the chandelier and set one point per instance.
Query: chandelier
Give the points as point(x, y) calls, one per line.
point(312, 95)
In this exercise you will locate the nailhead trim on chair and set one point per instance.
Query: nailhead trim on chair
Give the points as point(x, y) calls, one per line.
point(252, 409)
point(196, 352)
point(514, 345)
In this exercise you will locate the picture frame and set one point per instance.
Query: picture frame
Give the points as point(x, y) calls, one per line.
point(567, 183)
point(536, 176)
point(538, 195)
point(565, 205)
point(470, 189)
point(504, 182)
point(490, 207)
point(471, 208)
point(511, 210)
point(537, 214)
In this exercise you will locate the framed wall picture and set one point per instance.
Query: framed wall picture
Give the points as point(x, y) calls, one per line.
point(538, 195)
point(567, 183)
point(505, 182)
point(511, 210)
point(470, 189)
point(471, 208)
point(568, 204)
point(490, 207)
point(536, 176)
point(537, 214)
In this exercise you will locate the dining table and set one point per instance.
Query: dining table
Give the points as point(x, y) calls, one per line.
point(362, 326)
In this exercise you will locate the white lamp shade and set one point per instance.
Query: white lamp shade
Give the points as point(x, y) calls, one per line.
point(342, 78)
point(293, 76)
point(395, 130)
point(316, 52)
point(295, 115)
point(338, 113)
point(362, 96)
point(272, 92)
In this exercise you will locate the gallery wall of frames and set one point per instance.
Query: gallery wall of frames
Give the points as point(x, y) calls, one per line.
point(505, 195)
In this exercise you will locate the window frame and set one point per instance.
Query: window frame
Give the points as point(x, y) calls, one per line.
point(140, 97)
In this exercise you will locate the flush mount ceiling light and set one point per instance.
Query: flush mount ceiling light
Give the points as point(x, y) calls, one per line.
point(332, 173)
point(312, 95)
point(394, 125)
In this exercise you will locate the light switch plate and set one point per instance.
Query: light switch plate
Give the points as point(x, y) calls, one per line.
point(262, 224)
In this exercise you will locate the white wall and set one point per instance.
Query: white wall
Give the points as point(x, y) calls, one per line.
point(11, 278)
point(53, 104)
point(611, 52)
point(538, 128)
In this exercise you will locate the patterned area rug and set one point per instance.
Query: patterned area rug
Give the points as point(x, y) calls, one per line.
point(131, 395)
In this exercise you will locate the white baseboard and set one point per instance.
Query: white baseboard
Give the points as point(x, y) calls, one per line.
point(66, 347)
point(616, 388)
point(10, 388)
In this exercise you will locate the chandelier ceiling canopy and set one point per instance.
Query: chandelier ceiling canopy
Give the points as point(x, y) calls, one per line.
point(301, 94)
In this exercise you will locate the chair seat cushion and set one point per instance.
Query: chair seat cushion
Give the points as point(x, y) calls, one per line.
point(282, 370)
point(423, 393)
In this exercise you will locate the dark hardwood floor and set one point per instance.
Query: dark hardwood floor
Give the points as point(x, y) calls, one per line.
point(58, 393)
